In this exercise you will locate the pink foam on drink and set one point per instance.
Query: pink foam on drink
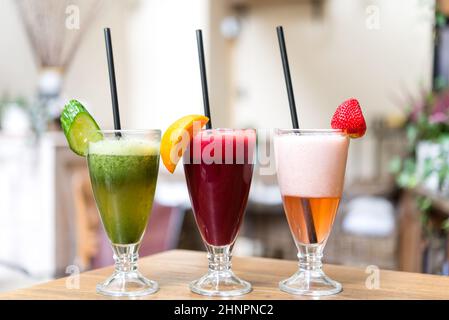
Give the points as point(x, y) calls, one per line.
point(311, 165)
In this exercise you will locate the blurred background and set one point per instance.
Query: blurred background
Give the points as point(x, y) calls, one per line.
point(393, 56)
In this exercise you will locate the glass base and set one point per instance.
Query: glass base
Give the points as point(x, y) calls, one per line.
point(127, 284)
point(220, 284)
point(310, 283)
point(127, 281)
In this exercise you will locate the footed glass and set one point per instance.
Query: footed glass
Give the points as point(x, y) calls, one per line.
point(123, 169)
point(310, 170)
point(218, 167)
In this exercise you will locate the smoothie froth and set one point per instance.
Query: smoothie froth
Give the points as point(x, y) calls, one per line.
point(316, 164)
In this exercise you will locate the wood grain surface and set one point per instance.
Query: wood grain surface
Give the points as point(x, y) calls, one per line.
point(175, 269)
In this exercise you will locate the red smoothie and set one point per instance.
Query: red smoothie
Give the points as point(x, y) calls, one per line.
point(219, 166)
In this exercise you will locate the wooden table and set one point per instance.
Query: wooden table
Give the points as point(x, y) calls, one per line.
point(175, 269)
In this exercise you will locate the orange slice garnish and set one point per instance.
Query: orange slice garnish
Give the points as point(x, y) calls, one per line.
point(177, 138)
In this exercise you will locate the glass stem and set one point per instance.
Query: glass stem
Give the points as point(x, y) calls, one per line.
point(125, 257)
point(310, 257)
point(219, 258)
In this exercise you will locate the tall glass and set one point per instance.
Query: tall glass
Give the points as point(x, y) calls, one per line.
point(310, 170)
point(123, 169)
point(219, 166)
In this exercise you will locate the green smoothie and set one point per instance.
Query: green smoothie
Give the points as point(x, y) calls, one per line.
point(123, 174)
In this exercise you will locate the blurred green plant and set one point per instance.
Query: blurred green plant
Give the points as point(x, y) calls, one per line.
point(427, 120)
point(36, 111)
point(6, 101)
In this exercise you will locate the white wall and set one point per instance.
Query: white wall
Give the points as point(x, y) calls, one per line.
point(332, 59)
point(17, 68)
point(86, 78)
point(164, 82)
point(155, 56)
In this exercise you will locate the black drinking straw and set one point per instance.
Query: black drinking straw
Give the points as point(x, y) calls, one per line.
point(308, 217)
point(199, 40)
point(112, 83)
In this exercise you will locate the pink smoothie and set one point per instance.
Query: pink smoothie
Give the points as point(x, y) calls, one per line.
point(311, 165)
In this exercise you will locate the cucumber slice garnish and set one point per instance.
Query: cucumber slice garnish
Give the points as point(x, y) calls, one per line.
point(79, 127)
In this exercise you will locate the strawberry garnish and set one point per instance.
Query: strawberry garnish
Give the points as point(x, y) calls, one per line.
point(349, 118)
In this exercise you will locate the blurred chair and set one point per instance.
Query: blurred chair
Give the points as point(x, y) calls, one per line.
point(265, 223)
point(365, 233)
point(366, 229)
point(87, 219)
point(163, 229)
